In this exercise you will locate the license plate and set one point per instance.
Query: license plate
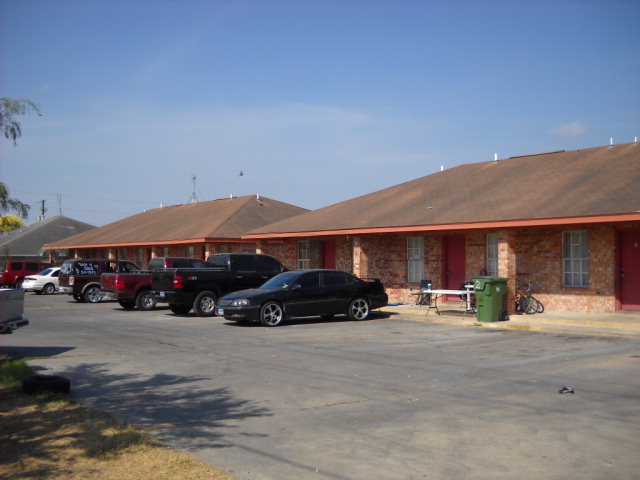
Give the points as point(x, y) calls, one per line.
point(221, 311)
point(161, 294)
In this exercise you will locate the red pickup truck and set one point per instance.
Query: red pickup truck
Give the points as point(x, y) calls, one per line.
point(133, 289)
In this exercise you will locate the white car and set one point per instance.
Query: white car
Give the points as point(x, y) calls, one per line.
point(44, 282)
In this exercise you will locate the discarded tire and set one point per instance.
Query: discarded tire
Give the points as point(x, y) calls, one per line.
point(46, 383)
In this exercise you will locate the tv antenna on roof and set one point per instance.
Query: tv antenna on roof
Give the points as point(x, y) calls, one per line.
point(194, 197)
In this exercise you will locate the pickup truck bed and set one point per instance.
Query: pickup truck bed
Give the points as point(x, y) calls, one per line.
point(130, 289)
point(200, 288)
point(133, 289)
point(11, 310)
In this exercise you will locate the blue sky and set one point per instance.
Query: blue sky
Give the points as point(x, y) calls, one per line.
point(315, 101)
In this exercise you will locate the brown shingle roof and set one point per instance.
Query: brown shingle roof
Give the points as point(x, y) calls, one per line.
point(579, 183)
point(226, 218)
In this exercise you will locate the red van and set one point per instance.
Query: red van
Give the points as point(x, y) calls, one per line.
point(15, 271)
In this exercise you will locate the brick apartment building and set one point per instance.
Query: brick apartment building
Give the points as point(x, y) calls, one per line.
point(189, 230)
point(568, 222)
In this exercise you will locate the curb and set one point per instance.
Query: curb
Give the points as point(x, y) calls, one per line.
point(545, 323)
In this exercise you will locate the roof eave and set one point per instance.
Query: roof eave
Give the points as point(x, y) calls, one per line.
point(150, 243)
point(536, 222)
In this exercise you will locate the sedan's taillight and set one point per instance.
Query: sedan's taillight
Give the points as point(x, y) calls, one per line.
point(31, 279)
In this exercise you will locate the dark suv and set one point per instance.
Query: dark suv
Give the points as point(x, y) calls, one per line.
point(14, 272)
point(81, 277)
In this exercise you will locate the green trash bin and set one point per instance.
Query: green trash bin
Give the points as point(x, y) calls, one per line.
point(491, 298)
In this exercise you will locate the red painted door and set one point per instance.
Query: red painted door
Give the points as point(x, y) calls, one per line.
point(630, 270)
point(328, 253)
point(454, 250)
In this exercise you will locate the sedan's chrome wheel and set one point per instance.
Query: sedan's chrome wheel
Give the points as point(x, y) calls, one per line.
point(358, 309)
point(271, 314)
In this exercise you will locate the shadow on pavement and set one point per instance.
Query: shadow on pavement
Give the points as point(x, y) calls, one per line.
point(173, 404)
point(36, 352)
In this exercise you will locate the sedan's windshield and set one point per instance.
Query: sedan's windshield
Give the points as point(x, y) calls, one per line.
point(282, 280)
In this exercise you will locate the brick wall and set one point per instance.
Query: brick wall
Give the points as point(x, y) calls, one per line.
point(539, 261)
point(476, 254)
point(344, 253)
point(286, 252)
point(524, 255)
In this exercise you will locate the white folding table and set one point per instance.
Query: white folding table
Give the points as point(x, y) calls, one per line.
point(439, 293)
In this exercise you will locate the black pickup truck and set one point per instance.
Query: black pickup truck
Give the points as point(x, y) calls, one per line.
point(200, 288)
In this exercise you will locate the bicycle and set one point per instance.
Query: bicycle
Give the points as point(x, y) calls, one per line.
point(527, 303)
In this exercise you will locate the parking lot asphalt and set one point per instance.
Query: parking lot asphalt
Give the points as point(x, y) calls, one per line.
point(390, 397)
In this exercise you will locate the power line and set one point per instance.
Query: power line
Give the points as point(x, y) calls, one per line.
point(98, 211)
point(81, 197)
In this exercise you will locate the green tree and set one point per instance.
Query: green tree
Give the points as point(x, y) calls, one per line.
point(14, 106)
point(12, 130)
point(9, 223)
point(8, 204)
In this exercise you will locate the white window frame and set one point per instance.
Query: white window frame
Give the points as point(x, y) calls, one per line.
point(304, 257)
point(575, 259)
point(492, 255)
point(415, 259)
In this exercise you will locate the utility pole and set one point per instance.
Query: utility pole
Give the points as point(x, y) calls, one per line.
point(42, 211)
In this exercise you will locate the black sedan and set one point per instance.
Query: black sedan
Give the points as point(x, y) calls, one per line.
point(304, 293)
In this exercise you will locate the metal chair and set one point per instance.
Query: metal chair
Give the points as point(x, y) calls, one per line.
point(422, 294)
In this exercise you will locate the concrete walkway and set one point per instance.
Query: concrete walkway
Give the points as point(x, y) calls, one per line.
point(625, 323)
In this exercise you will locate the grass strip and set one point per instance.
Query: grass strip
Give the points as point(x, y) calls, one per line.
point(52, 437)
